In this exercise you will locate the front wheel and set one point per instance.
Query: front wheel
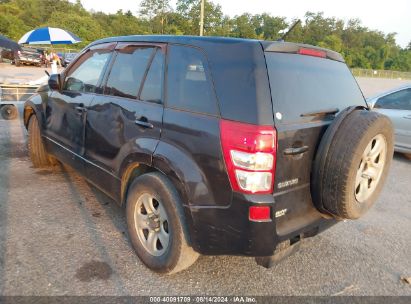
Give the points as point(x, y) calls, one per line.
point(37, 151)
point(156, 226)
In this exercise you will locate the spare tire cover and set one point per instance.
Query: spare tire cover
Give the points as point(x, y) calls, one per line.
point(351, 163)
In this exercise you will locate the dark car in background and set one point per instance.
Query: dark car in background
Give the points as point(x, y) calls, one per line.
point(29, 56)
point(7, 54)
point(216, 146)
point(67, 58)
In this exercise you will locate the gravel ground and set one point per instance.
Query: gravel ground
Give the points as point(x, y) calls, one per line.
point(60, 236)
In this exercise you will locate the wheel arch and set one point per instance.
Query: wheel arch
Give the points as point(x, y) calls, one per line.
point(32, 108)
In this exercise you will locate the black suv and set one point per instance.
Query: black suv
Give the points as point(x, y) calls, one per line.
point(215, 146)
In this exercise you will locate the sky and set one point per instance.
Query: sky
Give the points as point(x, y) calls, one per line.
point(374, 14)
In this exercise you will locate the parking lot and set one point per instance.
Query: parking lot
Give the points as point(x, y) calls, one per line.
point(61, 236)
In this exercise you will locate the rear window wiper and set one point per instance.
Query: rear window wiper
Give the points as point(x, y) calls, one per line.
point(325, 112)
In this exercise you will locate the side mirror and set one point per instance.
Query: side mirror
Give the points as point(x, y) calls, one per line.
point(54, 82)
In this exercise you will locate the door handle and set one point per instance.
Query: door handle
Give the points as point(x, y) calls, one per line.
point(143, 122)
point(295, 151)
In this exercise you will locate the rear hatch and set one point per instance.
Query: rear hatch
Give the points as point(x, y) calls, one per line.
point(309, 86)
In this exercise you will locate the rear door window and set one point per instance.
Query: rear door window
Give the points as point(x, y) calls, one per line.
point(153, 85)
point(189, 85)
point(128, 71)
point(400, 100)
point(305, 84)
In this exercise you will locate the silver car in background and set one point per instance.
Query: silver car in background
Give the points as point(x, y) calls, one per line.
point(396, 104)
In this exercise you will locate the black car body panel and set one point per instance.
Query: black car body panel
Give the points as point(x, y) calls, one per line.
point(239, 81)
point(106, 133)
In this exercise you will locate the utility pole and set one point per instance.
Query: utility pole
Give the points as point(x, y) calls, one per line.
point(202, 18)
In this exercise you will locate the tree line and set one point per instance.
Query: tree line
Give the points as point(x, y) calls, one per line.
point(361, 47)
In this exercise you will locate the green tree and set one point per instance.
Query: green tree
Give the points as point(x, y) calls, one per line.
point(268, 27)
point(360, 46)
point(213, 17)
point(332, 42)
point(243, 27)
point(156, 12)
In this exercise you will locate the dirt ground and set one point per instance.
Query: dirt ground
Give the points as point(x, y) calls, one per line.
point(61, 236)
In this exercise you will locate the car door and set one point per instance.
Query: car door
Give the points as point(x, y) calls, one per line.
point(125, 123)
point(66, 109)
point(397, 106)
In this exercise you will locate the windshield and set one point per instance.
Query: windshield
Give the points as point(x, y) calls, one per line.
point(305, 84)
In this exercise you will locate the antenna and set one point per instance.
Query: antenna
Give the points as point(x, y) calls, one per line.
point(289, 30)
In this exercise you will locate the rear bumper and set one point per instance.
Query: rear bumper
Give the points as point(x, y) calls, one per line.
point(228, 231)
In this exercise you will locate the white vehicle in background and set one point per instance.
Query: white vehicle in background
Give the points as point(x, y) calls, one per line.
point(396, 104)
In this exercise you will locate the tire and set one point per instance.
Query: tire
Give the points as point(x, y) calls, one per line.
point(352, 163)
point(156, 191)
point(408, 155)
point(9, 112)
point(37, 151)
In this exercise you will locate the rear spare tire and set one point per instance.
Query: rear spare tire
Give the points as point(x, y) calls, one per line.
point(352, 163)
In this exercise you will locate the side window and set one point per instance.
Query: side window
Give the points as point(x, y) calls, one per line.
point(400, 100)
point(153, 85)
point(188, 81)
point(128, 71)
point(85, 76)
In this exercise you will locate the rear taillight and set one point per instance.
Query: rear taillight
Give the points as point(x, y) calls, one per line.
point(312, 52)
point(250, 156)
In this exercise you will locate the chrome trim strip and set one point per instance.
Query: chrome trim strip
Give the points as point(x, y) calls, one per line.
point(86, 160)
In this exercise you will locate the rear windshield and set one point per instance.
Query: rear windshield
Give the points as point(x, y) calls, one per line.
point(304, 84)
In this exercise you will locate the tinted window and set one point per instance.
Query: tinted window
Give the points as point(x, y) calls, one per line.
point(85, 76)
point(303, 84)
point(152, 89)
point(400, 100)
point(188, 83)
point(128, 71)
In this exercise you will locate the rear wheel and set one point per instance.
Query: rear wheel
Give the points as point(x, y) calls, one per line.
point(156, 224)
point(38, 154)
point(9, 112)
